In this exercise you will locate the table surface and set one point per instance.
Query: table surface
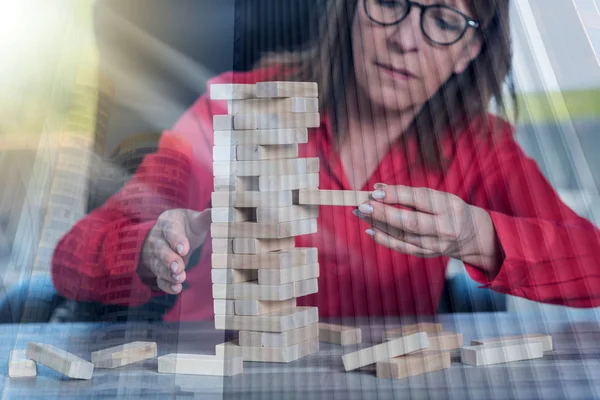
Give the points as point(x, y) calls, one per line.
point(572, 370)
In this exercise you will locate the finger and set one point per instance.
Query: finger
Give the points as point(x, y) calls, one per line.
point(174, 234)
point(171, 266)
point(388, 241)
point(405, 220)
point(421, 199)
point(168, 287)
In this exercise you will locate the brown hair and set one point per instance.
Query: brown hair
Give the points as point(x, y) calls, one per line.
point(329, 62)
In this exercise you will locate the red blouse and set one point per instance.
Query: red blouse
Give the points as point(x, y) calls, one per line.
point(550, 252)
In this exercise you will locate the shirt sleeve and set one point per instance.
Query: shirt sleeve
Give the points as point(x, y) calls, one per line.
point(97, 259)
point(549, 252)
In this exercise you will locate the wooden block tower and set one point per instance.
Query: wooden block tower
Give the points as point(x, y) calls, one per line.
point(257, 271)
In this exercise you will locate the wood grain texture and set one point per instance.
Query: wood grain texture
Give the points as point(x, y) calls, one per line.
point(269, 354)
point(270, 183)
point(231, 214)
point(258, 307)
point(258, 152)
point(292, 166)
point(200, 364)
point(252, 199)
point(501, 352)
point(546, 340)
point(273, 106)
point(284, 339)
point(333, 197)
point(261, 246)
point(286, 120)
point(339, 334)
point(413, 365)
point(223, 307)
point(273, 215)
point(59, 360)
point(232, 91)
point(252, 291)
point(288, 275)
point(286, 89)
point(279, 259)
point(221, 246)
point(263, 231)
point(260, 136)
point(233, 275)
point(427, 327)
point(124, 354)
point(278, 321)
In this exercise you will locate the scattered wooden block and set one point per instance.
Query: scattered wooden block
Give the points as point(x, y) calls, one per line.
point(271, 183)
point(258, 152)
point(292, 166)
point(278, 321)
point(286, 120)
point(252, 291)
point(230, 183)
point(260, 246)
point(224, 153)
point(242, 122)
point(269, 354)
point(233, 275)
point(273, 106)
point(230, 214)
point(286, 89)
point(501, 352)
point(199, 364)
point(445, 341)
point(413, 364)
point(284, 339)
point(306, 287)
point(221, 246)
point(223, 307)
point(59, 360)
point(546, 340)
point(223, 122)
point(252, 199)
point(261, 136)
point(381, 352)
point(19, 366)
point(232, 91)
point(274, 215)
point(288, 275)
point(274, 260)
point(124, 354)
point(427, 327)
point(333, 197)
point(257, 307)
point(263, 231)
point(338, 334)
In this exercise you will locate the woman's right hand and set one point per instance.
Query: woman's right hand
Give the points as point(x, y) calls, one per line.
point(168, 246)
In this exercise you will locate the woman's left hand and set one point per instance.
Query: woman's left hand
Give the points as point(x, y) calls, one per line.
point(431, 224)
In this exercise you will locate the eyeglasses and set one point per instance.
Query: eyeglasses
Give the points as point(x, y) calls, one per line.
point(441, 24)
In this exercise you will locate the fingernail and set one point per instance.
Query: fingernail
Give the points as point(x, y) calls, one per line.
point(365, 208)
point(370, 232)
point(177, 277)
point(180, 249)
point(379, 185)
point(378, 194)
point(175, 288)
point(174, 266)
point(355, 212)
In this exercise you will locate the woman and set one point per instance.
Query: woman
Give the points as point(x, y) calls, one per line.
point(404, 89)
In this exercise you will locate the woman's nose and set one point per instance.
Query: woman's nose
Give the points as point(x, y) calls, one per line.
point(406, 35)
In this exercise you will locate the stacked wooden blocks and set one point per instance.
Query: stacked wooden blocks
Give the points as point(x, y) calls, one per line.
point(257, 271)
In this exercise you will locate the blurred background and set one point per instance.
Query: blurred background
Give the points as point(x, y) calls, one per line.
point(86, 88)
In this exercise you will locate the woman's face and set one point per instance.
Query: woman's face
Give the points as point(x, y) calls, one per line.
point(397, 66)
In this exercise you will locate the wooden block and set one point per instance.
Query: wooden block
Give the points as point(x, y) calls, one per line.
point(230, 214)
point(381, 352)
point(286, 89)
point(338, 334)
point(19, 366)
point(124, 354)
point(233, 275)
point(252, 199)
point(260, 246)
point(271, 183)
point(199, 364)
point(257, 307)
point(224, 153)
point(273, 106)
point(427, 327)
point(286, 120)
point(242, 122)
point(263, 231)
point(413, 365)
point(230, 183)
point(278, 321)
point(223, 307)
point(222, 246)
point(288, 275)
point(59, 360)
point(273, 215)
point(306, 287)
point(273, 260)
point(292, 166)
point(257, 152)
point(284, 339)
point(445, 341)
point(222, 122)
point(261, 136)
point(269, 354)
point(546, 340)
point(501, 352)
point(232, 91)
point(252, 291)
point(333, 197)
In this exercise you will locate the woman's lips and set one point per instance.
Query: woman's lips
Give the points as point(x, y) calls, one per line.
point(396, 73)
